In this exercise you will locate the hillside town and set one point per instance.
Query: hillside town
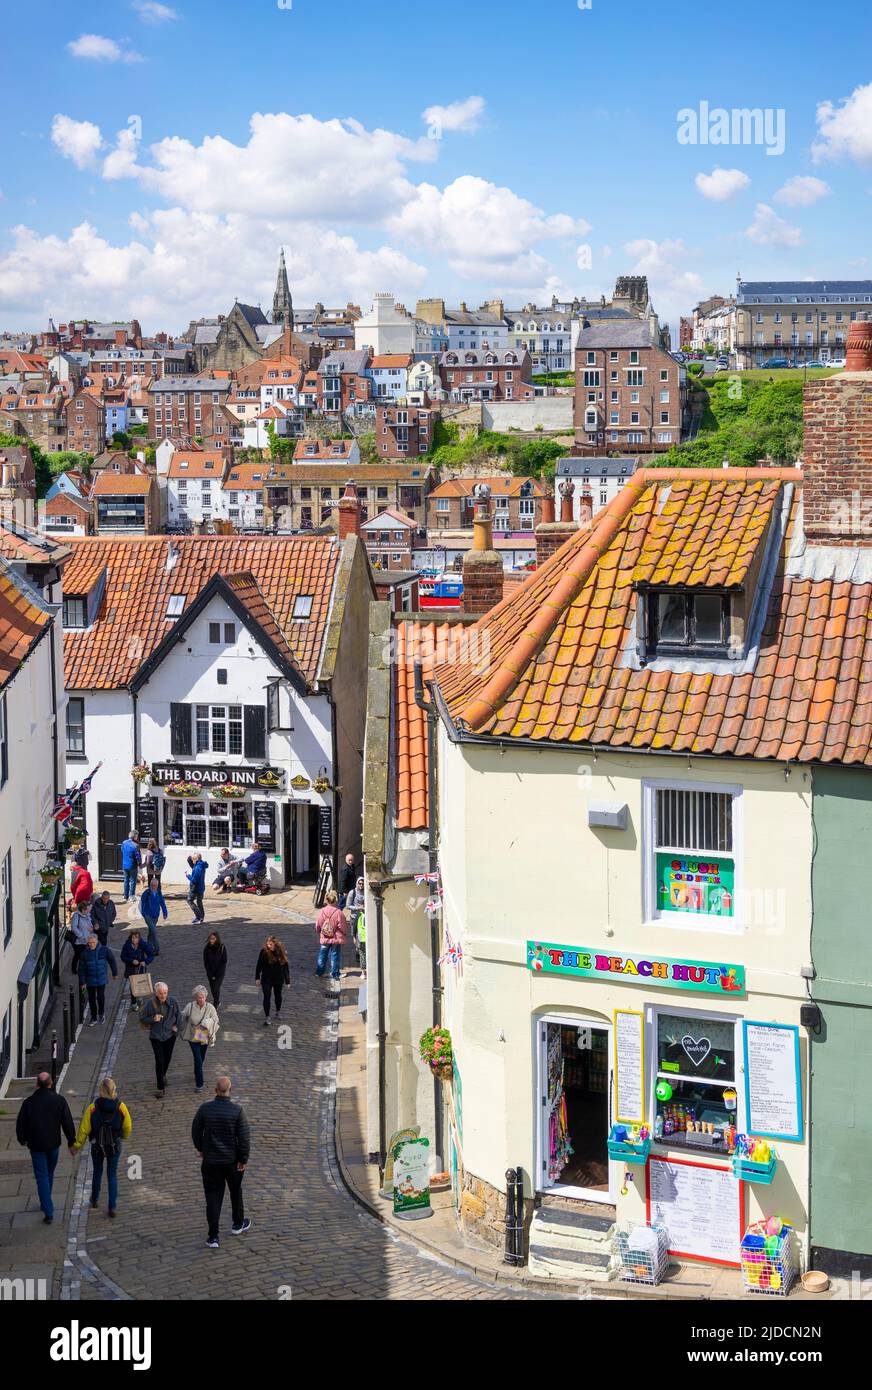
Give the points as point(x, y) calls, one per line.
point(331, 624)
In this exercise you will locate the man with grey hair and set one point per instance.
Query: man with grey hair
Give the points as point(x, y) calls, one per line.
point(222, 1138)
point(161, 1012)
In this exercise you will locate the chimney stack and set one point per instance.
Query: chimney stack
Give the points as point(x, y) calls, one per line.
point(482, 566)
point(567, 492)
point(349, 512)
point(837, 462)
point(585, 506)
point(551, 534)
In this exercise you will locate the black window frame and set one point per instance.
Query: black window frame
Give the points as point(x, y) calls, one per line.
point(80, 603)
point(71, 752)
point(6, 883)
point(690, 646)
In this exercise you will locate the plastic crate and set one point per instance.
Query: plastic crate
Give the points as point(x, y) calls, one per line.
point(639, 1256)
point(762, 1173)
point(624, 1151)
point(769, 1263)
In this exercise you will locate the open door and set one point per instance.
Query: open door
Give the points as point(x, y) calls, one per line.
point(575, 1074)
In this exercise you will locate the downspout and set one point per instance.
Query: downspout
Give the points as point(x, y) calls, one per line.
point(133, 699)
point(378, 886)
point(433, 863)
point(337, 794)
point(56, 944)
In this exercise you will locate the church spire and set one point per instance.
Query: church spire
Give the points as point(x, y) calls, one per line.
point(283, 305)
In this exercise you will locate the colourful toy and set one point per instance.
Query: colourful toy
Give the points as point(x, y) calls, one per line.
point(663, 1091)
point(730, 1098)
point(774, 1226)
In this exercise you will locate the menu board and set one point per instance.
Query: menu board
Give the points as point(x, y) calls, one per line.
point(700, 1206)
point(773, 1090)
point(629, 1067)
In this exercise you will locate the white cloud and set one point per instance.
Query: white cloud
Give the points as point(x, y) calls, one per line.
point(153, 13)
point(801, 191)
point(768, 229)
point(101, 50)
point(845, 130)
point(721, 184)
point(460, 115)
point(76, 140)
point(120, 163)
point(670, 284)
point(477, 224)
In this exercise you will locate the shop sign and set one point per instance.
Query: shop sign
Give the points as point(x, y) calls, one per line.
point(695, 885)
point(300, 783)
point(411, 1187)
point(666, 972)
point(265, 778)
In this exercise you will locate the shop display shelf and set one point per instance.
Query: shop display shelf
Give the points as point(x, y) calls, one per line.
point(762, 1173)
point(623, 1151)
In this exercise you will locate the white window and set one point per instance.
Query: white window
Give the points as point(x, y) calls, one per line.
point(302, 607)
point(175, 605)
point(692, 836)
point(219, 728)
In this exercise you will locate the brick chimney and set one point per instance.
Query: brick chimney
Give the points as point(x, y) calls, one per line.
point(585, 506)
point(837, 462)
point(349, 512)
point(120, 337)
point(482, 566)
point(551, 534)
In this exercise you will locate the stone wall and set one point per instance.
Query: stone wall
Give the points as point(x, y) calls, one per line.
point(483, 1213)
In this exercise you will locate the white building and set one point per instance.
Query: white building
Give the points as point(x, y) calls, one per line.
point(239, 667)
point(243, 495)
point(389, 374)
point(603, 477)
point(547, 336)
point(194, 487)
point(387, 328)
point(423, 384)
point(31, 771)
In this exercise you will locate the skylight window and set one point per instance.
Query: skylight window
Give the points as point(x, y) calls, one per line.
point(175, 605)
point(302, 607)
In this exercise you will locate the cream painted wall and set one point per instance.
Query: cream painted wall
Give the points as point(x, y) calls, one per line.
point(519, 862)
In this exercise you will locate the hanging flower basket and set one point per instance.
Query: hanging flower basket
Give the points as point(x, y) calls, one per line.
point(184, 789)
point(228, 791)
point(321, 785)
point(140, 772)
point(436, 1050)
point(52, 873)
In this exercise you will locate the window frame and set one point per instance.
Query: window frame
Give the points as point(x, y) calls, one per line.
point(74, 752)
point(652, 915)
point(655, 648)
point(6, 897)
point(212, 723)
point(652, 1021)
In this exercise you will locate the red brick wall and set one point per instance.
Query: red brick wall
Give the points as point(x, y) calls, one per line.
point(837, 463)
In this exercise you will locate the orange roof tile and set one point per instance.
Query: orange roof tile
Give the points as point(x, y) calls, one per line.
point(131, 621)
point(559, 666)
point(392, 359)
point(110, 483)
point(322, 450)
point(430, 642)
point(503, 485)
point(22, 623)
point(244, 476)
point(196, 463)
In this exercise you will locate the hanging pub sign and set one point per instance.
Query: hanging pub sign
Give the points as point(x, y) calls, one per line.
point(263, 778)
point(300, 783)
point(666, 972)
point(695, 885)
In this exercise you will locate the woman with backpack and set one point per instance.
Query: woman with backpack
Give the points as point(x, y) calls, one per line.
point(215, 964)
point(106, 1122)
point(332, 928)
point(153, 862)
point(200, 1029)
point(271, 972)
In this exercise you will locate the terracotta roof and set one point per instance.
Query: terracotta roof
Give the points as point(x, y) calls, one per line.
point(321, 450)
point(109, 483)
point(199, 463)
point(305, 472)
point(424, 640)
point(138, 587)
point(392, 359)
point(248, 592)
point(706, 536)
point(504, 485)
point(560, 666)
point(20, 543)
point(250, 476)
point(22, 622)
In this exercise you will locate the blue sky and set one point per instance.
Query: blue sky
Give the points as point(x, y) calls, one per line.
point(168, 149)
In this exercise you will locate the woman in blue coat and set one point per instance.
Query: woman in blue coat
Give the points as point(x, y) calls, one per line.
point(137, 956)
point(197, 879)
point(95, 963)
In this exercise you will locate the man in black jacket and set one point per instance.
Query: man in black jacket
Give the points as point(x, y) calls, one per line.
point(222, 1138)
point(347, 879)
point(103, 914)
point(40, 1121)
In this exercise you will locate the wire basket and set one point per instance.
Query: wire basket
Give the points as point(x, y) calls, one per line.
point(639, 1255)
point(769, 1262)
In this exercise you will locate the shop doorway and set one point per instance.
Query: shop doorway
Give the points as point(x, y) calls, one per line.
point(113, 826)
point(301, 832)
point(575, 1084)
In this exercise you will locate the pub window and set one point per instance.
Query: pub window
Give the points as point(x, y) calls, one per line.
point(195, 824)
point(240, 824)
point(695, 1096)
point(219, 824)
point(173, 822)
point(692, 854)
point(76, 726)
point(219, 728)
point(682, 621)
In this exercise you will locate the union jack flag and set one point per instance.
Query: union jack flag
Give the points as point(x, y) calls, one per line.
point(64, 804)
point(85, 786)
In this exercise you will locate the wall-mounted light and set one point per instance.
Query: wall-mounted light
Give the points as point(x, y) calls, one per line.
point(811, 1017)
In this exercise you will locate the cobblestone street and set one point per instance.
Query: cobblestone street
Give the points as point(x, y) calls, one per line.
point(309, 1238)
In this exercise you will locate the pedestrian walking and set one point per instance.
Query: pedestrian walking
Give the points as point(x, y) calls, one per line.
point(197, 879)
point(103, 914)
point(105, 1123)
point(347, 879)
point(151, 905)
point(215, 964)
point(153, 860)
point(200, 1029)
point(272, 971)
point(38, 1124)
point(82, 887)
point(82, 857)
point(81, 927)
point(354, 909)
point(137, 956)
point(161, 1015)
point(222, 1138)
point(95, 963)
point(332, 928)
point(131, 863)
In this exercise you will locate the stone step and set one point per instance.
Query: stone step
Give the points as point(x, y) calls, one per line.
point(583, 1222)
point(572, 1241)
point(550, 1262)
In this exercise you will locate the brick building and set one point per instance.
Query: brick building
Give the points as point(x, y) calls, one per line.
point(39, 416)
point(389, 539)
point(192, 408)
point(300, 496)
point(402, 430)
point(487, 374)
point(630, 394)
point(516, 504)
point(86, 422)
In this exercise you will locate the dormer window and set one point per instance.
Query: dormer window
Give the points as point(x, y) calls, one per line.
point(75, 612)
point(687, 622)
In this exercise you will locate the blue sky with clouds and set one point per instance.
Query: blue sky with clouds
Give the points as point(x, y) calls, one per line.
point(466, 149)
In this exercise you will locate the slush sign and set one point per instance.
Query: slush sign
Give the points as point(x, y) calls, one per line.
point(703, 976)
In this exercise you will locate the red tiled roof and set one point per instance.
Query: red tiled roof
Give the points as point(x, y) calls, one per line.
point(425, 641)
point(20, 543)
point(503, 485)
point(246, 476)
point(21, 624)
point(138, 587)
point(108, 483)
point(196, 463)
point(322, 450)
point(558, 667)
point(392, 359)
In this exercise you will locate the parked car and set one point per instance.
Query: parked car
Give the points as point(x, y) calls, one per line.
point(836, 362)
point(776, 362)
point(817, 364)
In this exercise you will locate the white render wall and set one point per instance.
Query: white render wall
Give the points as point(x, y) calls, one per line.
point(385, 330)
point(189, 675)
point(546, 413)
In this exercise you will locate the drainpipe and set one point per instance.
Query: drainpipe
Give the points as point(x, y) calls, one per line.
point(433, 863)
point(134, 711)
point(56, 945)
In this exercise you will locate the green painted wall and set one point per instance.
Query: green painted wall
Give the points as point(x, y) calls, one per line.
point(841, 1057)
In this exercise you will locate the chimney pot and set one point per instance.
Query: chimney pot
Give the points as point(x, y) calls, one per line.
point(858, 357)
